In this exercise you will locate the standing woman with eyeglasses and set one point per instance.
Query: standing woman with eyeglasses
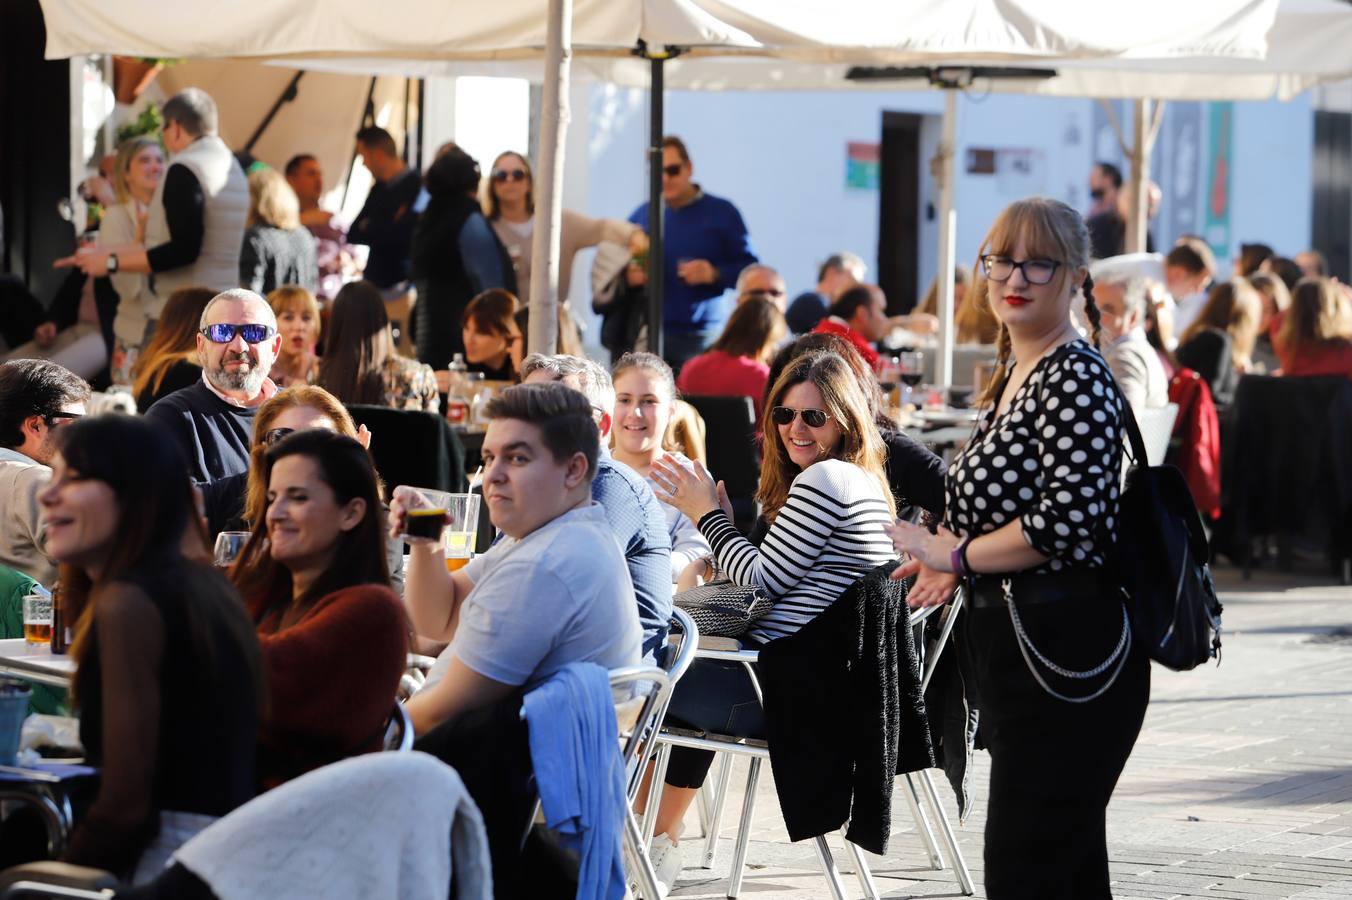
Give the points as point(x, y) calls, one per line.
point(824, 491)
point(455, 254)
point(1030, 524)
point(509, 203)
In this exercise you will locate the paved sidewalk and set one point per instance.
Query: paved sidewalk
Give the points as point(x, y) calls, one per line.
point(1240, 785)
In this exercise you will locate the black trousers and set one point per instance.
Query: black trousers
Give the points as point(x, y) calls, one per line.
point(1054, 764)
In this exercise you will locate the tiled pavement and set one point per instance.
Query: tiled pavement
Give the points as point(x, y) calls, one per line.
point(1240, 785)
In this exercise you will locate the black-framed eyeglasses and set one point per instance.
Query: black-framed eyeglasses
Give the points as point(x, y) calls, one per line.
point(672, 170)
point(1035, 271)
point(766, 292)
point(273, 435)
point(812, 418)
point(67, 418)
point(224, 333)
point(502, 176)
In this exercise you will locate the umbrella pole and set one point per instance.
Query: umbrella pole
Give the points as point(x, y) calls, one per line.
point(656, 90)
point(948, 234)
point(1149, 117)
point(544, 283)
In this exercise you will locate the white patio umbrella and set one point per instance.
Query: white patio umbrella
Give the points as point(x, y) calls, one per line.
point(773, 43)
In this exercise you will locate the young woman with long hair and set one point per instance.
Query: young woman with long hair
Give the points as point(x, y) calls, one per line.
point(645, 401)
point(1031, 520)
point(169, 361)
point(360, 363)
point(824, 491)
point(168, 679)
point(1219, 344)
point(315, 580)
point(508, 202)
point(738, 363)
point(299, 323)
point(1316, 337)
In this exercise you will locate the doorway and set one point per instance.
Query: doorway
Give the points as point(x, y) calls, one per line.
point(899, 199)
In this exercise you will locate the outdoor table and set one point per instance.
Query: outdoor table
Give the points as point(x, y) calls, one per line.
point(35, 663)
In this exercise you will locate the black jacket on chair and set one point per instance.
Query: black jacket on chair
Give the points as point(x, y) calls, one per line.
point(844, 713)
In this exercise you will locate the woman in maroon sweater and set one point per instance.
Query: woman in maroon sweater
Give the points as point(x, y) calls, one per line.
point(334, 636)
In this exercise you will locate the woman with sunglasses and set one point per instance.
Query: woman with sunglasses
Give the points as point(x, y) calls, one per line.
point(824, 491)
point(455, 256)
point(1030, 526)
point(509, 204)
point(315, 581)
point(168, 677)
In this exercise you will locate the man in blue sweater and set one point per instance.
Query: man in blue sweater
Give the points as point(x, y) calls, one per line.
point(705, 247)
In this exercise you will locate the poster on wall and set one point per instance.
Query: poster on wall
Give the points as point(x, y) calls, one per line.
point(1216, 216)
point(862, 162)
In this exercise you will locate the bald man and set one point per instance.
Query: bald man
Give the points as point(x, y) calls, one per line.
point(213, 419)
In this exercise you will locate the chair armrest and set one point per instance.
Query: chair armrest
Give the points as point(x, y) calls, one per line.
point(709, 642)
point(61, 875)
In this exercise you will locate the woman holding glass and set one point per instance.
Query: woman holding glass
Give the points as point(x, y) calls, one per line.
point(315, 581)
point(168, 678)
point(1030, 525)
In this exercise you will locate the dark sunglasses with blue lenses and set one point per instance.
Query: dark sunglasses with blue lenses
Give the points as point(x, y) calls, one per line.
point(225, 333)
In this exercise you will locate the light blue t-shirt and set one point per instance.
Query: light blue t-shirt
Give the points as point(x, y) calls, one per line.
point(561, 594)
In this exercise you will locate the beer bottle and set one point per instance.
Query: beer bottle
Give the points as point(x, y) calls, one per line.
point(58, 621)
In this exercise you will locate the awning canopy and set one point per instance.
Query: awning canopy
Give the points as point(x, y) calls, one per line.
point(871, 32)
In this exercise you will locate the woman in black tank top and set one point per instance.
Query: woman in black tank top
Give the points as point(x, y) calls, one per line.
point(168, 682)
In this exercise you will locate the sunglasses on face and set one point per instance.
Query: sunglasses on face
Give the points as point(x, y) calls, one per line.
point(812, 418)
point(273, 435)
point(672, 171)
point(1035, 271)
point(766, 292)
point(502, 176)
point(65, 418)
point(225, 333)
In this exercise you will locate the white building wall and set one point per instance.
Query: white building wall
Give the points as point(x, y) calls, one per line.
point(781, 157)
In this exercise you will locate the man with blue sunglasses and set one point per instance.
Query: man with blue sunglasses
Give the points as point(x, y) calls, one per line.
point(213, 419)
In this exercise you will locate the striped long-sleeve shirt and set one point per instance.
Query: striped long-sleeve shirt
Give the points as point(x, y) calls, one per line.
point(828, 534)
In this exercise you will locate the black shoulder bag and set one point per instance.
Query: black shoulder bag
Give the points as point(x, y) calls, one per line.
point(1163, 554)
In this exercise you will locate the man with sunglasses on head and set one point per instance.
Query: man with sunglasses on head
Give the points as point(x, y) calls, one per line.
point(213, 419)
point(705, 247)
point(36, 398)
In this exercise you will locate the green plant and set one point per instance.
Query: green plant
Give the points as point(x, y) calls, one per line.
point(149, 122)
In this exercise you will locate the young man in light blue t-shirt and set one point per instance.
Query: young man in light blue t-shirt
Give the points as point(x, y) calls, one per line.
point(555, 590)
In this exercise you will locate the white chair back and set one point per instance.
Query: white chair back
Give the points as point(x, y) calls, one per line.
point(1157, 426)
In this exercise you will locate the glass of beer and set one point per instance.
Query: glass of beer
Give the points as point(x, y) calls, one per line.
point(229, 545)
point(462, 512)
point(425, 512)
point(37, 619)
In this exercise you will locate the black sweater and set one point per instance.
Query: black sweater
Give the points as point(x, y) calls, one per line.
point(844, 714)
point(215, 438)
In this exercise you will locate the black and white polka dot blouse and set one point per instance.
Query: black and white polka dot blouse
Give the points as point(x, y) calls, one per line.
point(1053, 460)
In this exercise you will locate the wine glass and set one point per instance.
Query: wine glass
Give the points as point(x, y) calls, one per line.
point(912, 372)
point(229, 545)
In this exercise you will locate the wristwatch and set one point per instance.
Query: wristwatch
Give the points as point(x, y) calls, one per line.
point(112, 263)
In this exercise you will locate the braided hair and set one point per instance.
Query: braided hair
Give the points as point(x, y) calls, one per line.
point(1048, 228)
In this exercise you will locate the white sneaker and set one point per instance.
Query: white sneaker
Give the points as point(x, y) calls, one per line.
point(666, 860)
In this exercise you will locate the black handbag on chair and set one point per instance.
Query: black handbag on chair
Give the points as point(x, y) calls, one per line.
point(1163, 554)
